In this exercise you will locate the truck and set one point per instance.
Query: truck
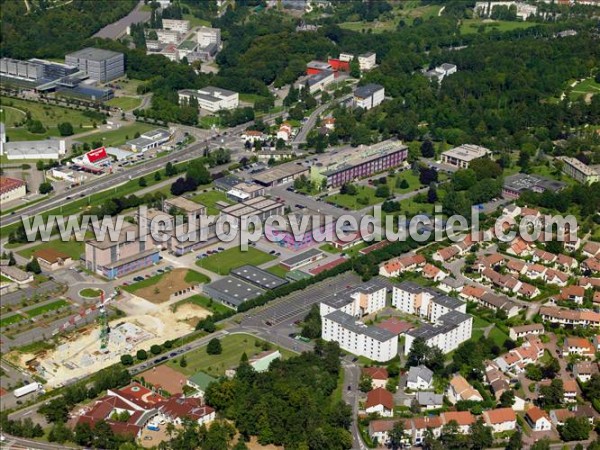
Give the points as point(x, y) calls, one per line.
point(153, 427)
point(27, 389)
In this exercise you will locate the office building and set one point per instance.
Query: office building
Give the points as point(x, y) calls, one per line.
point(579, 171)
point(181, 26)
point(21, 70)
point(207, 36)
point(149, 140)
point(100, 65)
point(369, 96)
point(463, 155)
point(515, 185)
point(366, 61)
point(211, 98)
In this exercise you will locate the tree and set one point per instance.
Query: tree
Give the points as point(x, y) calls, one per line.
point(198, 172)
point(552, 396)
point(311, 327)
point(507, 399)
point(366, 383)
point(45, 187)
point(142, 182)
point(481, 435)
point(402, 183)
point(155, 349)
point(348, 189)
point(533, 372)
point(60, 433)
point(354, 68)
point(157, 176)
point(432, 194)
point(485, 168)
point(126, 360)
point(427, 149)
point(65, 129)
point(214, 347)
point(141, 355)
point(515, 442)
point(427, 175)
point(170, 169)
point(55, 411)
point(397, 435)
point(542, 444)
point(575, 429)
point(183, 361)
point(382, 191)
point(11, 259)
point(464, 179)
point(33, 266)
point(83, 434)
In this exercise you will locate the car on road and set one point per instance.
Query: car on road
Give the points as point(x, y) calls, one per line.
point(349, 388)
point(173, 354)
point(272, 252)
point(160, 271)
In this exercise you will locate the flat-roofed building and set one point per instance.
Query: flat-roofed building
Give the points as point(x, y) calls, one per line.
point(181, 26)
point(451, 330)
point(579, 171)
point(369, 96)
point(232, 291)
point(210, 98)
point(515, 185)
point(21, 70)
point(258, 277)
point(182, 205)
point(245, 191)
point(355, 337)
point(367, 61)
point(114, 259)
point(207, 36)
point(281, 174)
point(463, 155)
point(149, 140)
point(99, 64)
point(302, 259)
point(259, 207)
point(45, 149)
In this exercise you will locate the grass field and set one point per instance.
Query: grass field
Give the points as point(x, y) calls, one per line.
point(50, 116)
point(195, 277)
point(234, 345)
point(119, 136)
point(588, 86)
point(205, 303)
point(470, 26)
point(498, 336)
point(195, 21)
point(223, 262)
point(72, 248)
point(125, 103)
point(9, 320)
point(47, 308)
point(352, 201)
point(210, 199)
point(411, 178)
point(278, 270)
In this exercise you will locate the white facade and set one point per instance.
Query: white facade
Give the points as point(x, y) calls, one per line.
point(358, 304)
point(357, 338)
point(367, 61)
point(11, 189)
point(207, 36)
point(181, 26)
point(211, 98)
point(167, 37)
point(369, 96)
point(381, 410)
point(45, 149)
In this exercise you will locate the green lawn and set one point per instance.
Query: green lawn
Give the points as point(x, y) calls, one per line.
point(210, 199)
point(588, 86)
point(72, 248)
point(90, 293)
point(470, 26)
point(352, 251)
point(223, 262)
point(498, 336)
point(409, 176)
point(144, 283)
point(278, 270)
point(3, 279)
point(127, 85)
point(209, 121)
point(205, 303)
point(234, 345)
point(119, 136)
point(10, 115)
point(479, 323)
point(9, 320)
point(195, 277)
point(195, 21)
point(364, 193)
point(47, 308)
point(125, 103)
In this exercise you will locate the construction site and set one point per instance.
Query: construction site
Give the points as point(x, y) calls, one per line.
point(90, 348)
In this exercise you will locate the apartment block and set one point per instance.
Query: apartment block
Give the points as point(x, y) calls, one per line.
point(579, 171)
point(366, 299)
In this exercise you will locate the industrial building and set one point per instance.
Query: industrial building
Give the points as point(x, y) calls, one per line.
point(51, 149)
point(99, 64)
point(281, 174)
point(303, 259)
point(462, 156)
point(232, 291)
point(258, 277)
point(368, 96)
point(149, 140)
point(515, 185)
point(259, 207)
point(23, 70)
point(11, 189)
point(211, 98)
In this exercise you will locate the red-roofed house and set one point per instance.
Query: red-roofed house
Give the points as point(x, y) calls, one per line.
point(573, 294)
point(379, 375)
point(501, 419)
point(431, 272)
point(464, 419)
point(445, 254)
point(380, 401)
point(538, 419)
point(579, 346)
point(176, 408)
point(591, 264)
point(591, 249)
point(11, 189)
point(420, 425)
point(570, 390)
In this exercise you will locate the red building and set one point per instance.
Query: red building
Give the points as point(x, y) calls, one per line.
point(316, 67)
point(339, 65)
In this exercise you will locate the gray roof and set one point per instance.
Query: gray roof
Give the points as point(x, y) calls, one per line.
point(448, 66)
point(94, 54)
point(302, 257)
point(422, 372)
point(233, 290)
point(430, 399)
point(318, 77)
point(414, 288)
point(447, 322)
point(522, 182)
point(350, 323)
point(32, 147)
point(258, 277)
point(367, 90)
point(454, 318)
point(448, 302)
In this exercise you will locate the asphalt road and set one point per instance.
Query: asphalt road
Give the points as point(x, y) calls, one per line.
point(312, 119)
point(118, 28)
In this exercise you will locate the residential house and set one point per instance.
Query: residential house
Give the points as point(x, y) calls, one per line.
point(596, 342)
point(430, 400)
point(543, 256)
point(460, 389)
point(569, 317)
point(583, 371)
point(431, 272)
point(445, 254)
point(500, 419)
point(177, 408)
point(420, 426)
point(396, 266)
point(525, 330)
point(496, 379)
point(517, 359)
point(379, 375)
point(556, 277)
point(591, 264)
point(535, 271)
point(451, 284)
point(464, 419)
point(585, 411)
point(591, 249)
point(538, 419)
point(472, 293)
point(519, 247)
point(573, 294)
point(559, 416)
point(589, 282)
point(565, 262)
point(578, 346)
point(570, 391)
point(419, 378)
point(528, 291)
point(516, 267)
point(379, 429)
point(380, 401)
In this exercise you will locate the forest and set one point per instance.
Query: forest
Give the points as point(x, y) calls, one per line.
point(290, 404)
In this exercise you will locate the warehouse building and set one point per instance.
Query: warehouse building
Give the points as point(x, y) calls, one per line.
point(45, 149)
point(258, 277)
point(303, 259)
point(232, 291)
point(149, 140)
point(99, 64)
point(259, 207)
point(11, 189)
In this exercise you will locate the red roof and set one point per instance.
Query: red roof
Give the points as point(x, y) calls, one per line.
point(500, 415)
point(395, 326)
point(380, 396)
point(536, 414)
point(178, 406)
point(10, 184)
point(376, 373)
point(377, 246)
point(96, 155)
point(139, 395)
point(460, 417)
point(330, 265)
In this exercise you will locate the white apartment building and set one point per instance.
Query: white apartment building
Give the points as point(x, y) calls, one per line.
point(355, 337)
point(451, 330)
point(579, 171)
point(369, 96)
point(166, 37)
point(207, 36)
point(366, 61)
point(181, 26)
point(211, 98)
point(364, 300)
point(425, 302)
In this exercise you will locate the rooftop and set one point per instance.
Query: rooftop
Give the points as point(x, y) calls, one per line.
point(94, 54)
point(304, 256)
point(367, 90)
point(9, 184)
point(350, 323)
point(522, 182)
point(259, 277)
point(236, 290)
point(467, 152)
point(184, 204)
